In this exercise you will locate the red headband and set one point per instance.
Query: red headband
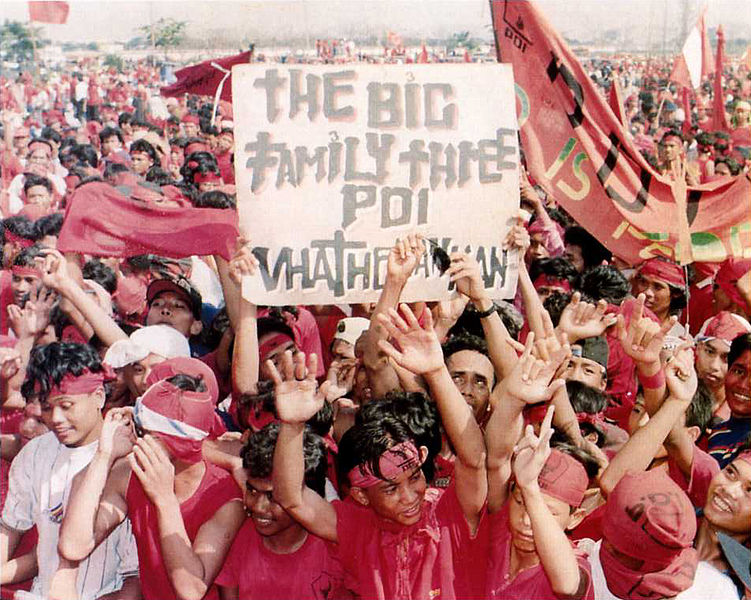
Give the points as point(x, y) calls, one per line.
point(25, 272)
point(392, 463)
point(190, 119)
point(17, 239)
point(85, 383)
point(556, 282)
point(209, 177)
point(564, 477)
point(663, 270)
point(595, 419)
point(273, 342)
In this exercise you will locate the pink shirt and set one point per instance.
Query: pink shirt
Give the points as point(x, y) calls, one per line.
point(309, 573)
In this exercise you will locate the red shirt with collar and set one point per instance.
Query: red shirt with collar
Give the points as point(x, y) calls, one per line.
point(436, 558)
point(529, 583)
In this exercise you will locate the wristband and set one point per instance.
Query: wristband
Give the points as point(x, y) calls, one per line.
point(483, 314)
point(652, 382)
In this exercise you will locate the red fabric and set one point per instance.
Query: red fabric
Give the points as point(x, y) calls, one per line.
point(384, 560)
point(6, 299)
point(226, 168)
point(727, 279)
point(528, 583)
point(203, 79)
point(99, 220)
point(686, 101)
point(615, 101)
point(707, 60)
point(85, 383)
point(703, 470)
point(564, 477)
point(664, 271)
point(216, 489)
point(49, 12)
point(601, 179)
point(264, 575)
point(392, 463)
point(680, 73)
point(186, 366)
point(719, 122)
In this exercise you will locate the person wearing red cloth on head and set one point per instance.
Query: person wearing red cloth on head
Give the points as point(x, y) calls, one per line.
point(225, 145)
point(271, 544)
point(148, 467)
point(68, 380)
point(191, 125)
point(396, 537)
point(712, 347)
point(731, 287)
point(663, 284)
point(39, 162)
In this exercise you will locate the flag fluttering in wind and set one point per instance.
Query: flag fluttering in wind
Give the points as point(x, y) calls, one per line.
point(49, 12)
point(719, 122)
point(695, 62)
point(204, 78)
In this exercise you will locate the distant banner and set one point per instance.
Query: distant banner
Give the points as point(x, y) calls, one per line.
point(49, 12)
point(334, 164)
point(575, 146)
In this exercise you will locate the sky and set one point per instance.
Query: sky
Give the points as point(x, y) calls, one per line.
point(118, 20)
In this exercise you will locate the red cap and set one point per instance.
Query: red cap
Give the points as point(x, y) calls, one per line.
point(724, 326)
point(564, 477)
point(183, 365)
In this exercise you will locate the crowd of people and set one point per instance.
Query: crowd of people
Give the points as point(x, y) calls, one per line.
point(163, 437)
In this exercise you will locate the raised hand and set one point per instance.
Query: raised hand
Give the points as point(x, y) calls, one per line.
point(680, 374)
point(117, 437)
point(532, 451)
point(404, 257)
point(531, 379)
point(341, 378)
point(154, 469)
point(518, 238)
point(643, 338)
point(465, 273)
point(581, 320)
point(421, 351)
point(10, 363)
point(552, 347)
point(296, 391)
point(243, 262)
point(54, 269)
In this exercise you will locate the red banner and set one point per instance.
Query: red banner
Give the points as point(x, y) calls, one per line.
point(204, 78)
point(576, 147)
point(99, 220)
point(49, 12)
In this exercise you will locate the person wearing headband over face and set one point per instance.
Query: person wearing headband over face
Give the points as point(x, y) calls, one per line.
point(185, 511)
point(663, 284)
point(68, 380)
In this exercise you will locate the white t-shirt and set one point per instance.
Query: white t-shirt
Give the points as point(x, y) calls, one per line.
point(39, 484)
point(709, 583)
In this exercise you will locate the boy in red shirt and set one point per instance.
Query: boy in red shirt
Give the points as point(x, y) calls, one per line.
point(271, 544)
point(398, 538)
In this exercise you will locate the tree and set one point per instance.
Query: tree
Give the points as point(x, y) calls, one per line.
point(115, 61)
point(462, 39)
point(165, 33)
point(17, 43)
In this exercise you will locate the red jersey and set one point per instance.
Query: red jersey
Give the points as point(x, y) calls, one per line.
point(261, 574)
point(216, 489)
point(529, 583)
point(437, 557)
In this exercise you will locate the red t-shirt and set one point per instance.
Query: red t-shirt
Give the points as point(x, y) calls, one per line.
point(309, 573)
point(216, 489)
point(529, 583)
point(703, 470)
point(435, 558)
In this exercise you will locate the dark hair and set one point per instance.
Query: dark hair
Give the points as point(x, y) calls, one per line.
point(113, 169)
point(31, 180)
point(48, 365)
point(555, 304)
point(109, 132)
point(671, 133)
point(18, 225)
point(214, 199)
point(321, 422)
point(589, 462)
point(187, 383)
point(41, 141)
point(593, 252)
point(471, 324)
point(274, 321)
point(699, 412)
point(418, 413)
point(464, 341)
point(365, 442)
point(51, 135)
point(48, 225)
point(557, 267)
point(740, 344)
point(198, 162)
point(157, 175)
point(124, 119)
point(101, 273)
point(733, 165)
point(258, 456)
point(87, 155)
point(25, 258)
point(605, 282)
point(145, 147)
point(585, 399)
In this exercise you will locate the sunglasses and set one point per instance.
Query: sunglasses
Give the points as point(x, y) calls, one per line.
point(441, 259)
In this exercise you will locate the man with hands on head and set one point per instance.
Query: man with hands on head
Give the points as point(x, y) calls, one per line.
point(397, 538)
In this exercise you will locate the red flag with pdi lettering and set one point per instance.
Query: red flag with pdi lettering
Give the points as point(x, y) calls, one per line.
point(576, 147)
point(49, 12)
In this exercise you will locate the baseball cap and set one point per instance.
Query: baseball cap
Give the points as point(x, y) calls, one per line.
point(724, 326)
point(161, 340)
point(180, 286)
point(350, 329)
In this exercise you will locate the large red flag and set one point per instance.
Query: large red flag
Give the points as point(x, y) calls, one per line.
point(695, 62)
point(575, 146)
point(204, 78)
point(49, 12)
point(719, 122)
point(100, 220)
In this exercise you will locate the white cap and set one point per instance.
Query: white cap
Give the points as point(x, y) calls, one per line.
point(351, 328)
point(162, 340)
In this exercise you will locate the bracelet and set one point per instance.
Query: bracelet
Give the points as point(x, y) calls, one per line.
point(652, 382)
point(484, 314)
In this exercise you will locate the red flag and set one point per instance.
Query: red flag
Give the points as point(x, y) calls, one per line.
point(422, 58)
point(100, 220)
point(694, 63)
point(686, 101)
point(204, 79)
point(615, 100)
point(680, 73)
point(49, 12)
point(467, 57)
point(707, 60)
point(719, 122)
point(575, 147)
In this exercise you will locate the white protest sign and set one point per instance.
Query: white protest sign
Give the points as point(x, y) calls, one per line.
point(334, 163)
